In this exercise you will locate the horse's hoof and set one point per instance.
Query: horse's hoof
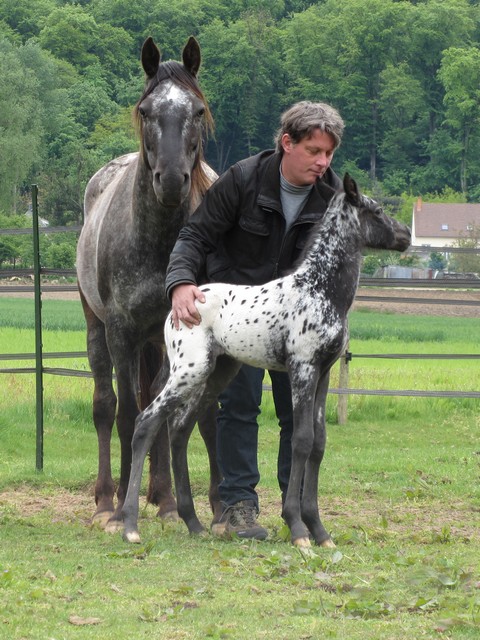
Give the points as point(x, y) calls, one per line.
point(114, 526)
point(303, 543)
point(328, 544)
point(132, 536)
point(101, 519)
point(170, 516)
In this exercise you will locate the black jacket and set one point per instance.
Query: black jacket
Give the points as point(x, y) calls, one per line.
point(237, 234)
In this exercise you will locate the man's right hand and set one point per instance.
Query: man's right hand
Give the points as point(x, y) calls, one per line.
point(183, 305)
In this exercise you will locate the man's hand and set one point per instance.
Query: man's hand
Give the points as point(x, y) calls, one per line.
point(183, 305)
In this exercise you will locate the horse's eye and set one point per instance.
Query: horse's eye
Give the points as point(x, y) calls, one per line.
point(200, 113)
point(141, 111)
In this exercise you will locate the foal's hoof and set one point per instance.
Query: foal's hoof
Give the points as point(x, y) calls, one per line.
point(132, 537)
point(328, 544)
point(303, 543)
point(114, 526)
point(218, 529)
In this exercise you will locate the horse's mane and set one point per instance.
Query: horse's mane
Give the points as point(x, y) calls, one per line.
point(176, 72)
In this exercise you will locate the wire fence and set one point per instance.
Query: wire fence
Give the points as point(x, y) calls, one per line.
point(469, 283)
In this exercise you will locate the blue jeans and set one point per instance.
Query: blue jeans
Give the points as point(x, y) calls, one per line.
point(237, 433)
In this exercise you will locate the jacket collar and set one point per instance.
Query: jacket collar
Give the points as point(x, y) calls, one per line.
point(269, 192)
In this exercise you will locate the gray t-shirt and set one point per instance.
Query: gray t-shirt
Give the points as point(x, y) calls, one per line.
point(293, 198)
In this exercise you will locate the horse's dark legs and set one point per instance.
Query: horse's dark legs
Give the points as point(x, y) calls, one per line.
point(309, 506)
point(124, 353)
point(104, 403)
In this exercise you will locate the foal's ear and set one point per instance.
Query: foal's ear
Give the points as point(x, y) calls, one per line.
point(150, 57)
point(191, 56)
point(351, 189)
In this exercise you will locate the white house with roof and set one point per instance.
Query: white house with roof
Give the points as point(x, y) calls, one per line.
point(439, 225)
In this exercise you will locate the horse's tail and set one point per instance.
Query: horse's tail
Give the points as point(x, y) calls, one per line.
point(151, 359)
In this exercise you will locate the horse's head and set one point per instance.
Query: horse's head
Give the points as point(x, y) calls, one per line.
point(173, 115)
point(379, 230)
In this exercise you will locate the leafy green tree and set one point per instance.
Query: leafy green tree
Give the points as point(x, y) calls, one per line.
point(337, 52)
point(61, 255)
point(114, 135)
point(370, 264)
point(26, 17)
point(402, 110)
point(437, 261)
point(89, 99)
point(460, 75)
point(20, 125)
point(436, 25)
point(71, 34)
point(243, 82)
point(467, 262)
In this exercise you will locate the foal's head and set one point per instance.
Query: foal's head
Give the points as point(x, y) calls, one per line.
point(173, 115)
point(378, 230)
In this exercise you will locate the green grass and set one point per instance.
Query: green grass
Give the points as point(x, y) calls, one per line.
point(399, 491)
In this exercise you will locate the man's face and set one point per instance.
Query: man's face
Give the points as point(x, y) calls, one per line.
point(305, 161)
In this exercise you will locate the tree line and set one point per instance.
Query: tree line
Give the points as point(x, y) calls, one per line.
point(405, 75)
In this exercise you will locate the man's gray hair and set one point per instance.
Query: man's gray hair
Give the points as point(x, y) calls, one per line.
point(301, 120)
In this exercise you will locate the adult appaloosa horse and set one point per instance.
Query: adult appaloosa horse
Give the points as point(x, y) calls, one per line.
point(134, 208)
point(297, 323)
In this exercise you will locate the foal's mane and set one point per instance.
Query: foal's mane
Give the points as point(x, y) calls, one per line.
point(175, 71)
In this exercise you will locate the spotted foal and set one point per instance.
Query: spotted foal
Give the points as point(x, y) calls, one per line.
point(298, 324)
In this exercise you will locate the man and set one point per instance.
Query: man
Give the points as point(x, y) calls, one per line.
point(250, 228)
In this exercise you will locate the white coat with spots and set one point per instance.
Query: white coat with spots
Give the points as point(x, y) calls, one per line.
point(298, 324)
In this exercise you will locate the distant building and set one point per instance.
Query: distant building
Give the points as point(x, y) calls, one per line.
point(439, 225)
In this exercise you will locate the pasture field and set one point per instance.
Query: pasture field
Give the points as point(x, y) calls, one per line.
point(399, 491)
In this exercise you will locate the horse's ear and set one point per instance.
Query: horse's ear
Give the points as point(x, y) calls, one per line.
point(191, 56)
point(150, 57)
point(351, 189)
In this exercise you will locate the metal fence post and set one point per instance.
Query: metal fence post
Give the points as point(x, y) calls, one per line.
point(38, 331)
point(343, 384)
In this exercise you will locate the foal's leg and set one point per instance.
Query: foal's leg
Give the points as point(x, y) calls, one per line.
point(147, 426)
point(202, 392)
point(104, 403)
point(225, 370)
point(207, 425)
point(310, 514)
point(159, 490)
point(304, 383)
point(181, 425)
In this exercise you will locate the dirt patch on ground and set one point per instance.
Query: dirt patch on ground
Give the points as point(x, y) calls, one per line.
point(368, 515)
point(407, 301)
point(416, 301)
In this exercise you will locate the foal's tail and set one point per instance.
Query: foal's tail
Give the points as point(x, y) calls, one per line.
point(151, 362)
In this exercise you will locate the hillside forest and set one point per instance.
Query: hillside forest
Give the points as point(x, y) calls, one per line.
point(405, 75)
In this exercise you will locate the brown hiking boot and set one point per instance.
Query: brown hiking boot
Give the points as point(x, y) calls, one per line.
point(241, 519)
